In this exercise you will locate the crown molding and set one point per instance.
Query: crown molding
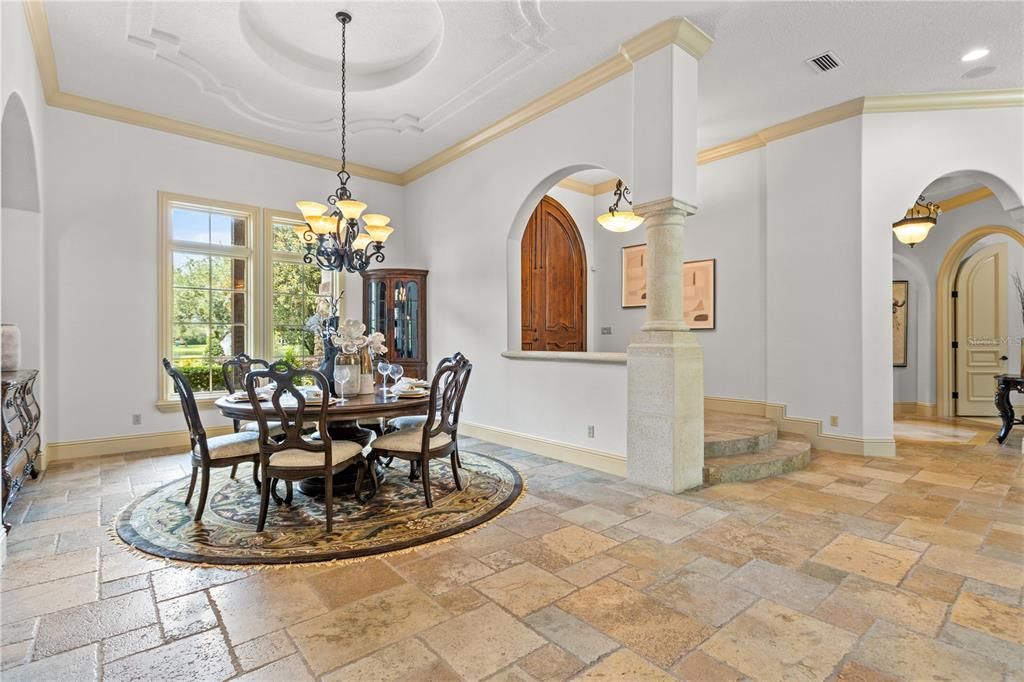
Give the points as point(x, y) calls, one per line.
point(936, 101)
point(677, 31)
point(964, 199)
point(576, 186)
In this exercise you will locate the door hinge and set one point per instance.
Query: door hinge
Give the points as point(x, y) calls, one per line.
point(956, 395)
point(956, 294)
point(956, 344)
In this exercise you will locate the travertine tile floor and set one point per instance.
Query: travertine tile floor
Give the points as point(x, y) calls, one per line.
point(853, 569)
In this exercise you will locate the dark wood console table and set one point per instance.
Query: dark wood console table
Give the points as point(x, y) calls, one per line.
point(1007, 383)
point(21, 440)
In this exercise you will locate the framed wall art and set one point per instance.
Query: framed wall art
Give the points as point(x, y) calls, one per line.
point(698, 286)
point(900, 297)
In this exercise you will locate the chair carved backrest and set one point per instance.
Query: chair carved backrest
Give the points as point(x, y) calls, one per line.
point(447, 390)
point(287, 389)
point(235, 369)
point(197, 434)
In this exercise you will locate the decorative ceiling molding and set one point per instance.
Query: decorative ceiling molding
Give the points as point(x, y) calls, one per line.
point(678, 31)
point(964, 199)
point(166, 47)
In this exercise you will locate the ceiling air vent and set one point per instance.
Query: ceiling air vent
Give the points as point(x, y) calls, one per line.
point(824, 62)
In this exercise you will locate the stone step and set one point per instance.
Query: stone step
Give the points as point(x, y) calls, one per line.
point(727, 434)
point(789, 453)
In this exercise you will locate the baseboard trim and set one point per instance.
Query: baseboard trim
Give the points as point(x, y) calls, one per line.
point(608, 462)
point(914, 409)
point(809, 428)
point(120, 445)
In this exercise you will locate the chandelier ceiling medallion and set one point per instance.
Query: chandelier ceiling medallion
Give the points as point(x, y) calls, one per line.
point(331, 234)
point(616, 220)
point(915, 226)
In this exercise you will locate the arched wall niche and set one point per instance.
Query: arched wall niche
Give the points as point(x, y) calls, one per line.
point(514, 239)
point(19, 179)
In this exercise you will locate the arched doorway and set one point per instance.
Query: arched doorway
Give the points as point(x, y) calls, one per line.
point(19, 181)
point(945, 331)
point(554, 281)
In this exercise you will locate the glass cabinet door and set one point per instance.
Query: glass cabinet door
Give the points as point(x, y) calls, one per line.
point(406, 297)
point(378, 308)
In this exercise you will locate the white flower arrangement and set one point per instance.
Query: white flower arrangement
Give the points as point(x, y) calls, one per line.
point(350, 338)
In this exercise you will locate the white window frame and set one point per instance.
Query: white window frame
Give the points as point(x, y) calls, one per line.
point(167, 201)
point(267, 266)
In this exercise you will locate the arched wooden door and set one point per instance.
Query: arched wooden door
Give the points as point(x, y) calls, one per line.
point(554, 279)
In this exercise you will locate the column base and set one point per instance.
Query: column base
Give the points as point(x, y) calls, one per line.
point(665, 421)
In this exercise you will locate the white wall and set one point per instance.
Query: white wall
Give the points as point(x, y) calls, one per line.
point(916, 382)
point(21, 231)
point(902, 154)
point(814, 276)
point(471, 252)
point(101, 281)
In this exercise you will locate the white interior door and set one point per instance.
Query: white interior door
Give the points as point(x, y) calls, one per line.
point(981, 330)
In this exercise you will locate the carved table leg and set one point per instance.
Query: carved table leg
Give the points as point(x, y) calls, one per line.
point(1005, 408)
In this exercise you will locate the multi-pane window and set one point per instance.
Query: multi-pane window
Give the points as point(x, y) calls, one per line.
point(208, 308)
point(295, 289)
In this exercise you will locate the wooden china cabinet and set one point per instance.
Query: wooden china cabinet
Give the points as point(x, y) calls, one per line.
point(395, 304)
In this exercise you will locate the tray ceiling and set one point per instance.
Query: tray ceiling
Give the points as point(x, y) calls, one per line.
point(425, 75)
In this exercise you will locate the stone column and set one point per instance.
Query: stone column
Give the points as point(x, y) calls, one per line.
point(665, 363)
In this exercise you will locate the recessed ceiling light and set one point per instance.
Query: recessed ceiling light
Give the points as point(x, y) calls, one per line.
point(975, 54)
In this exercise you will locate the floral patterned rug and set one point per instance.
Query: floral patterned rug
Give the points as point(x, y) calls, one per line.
point(396, 518)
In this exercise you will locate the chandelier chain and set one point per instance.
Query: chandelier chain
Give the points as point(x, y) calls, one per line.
point(344, 117)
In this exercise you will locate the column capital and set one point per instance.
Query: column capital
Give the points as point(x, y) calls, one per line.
point(666, 205)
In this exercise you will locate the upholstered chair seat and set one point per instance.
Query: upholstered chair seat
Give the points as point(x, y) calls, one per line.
point(410, 440)
point(232, 445)
point(341, 452)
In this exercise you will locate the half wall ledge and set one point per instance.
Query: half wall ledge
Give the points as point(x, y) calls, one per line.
point(560, 356)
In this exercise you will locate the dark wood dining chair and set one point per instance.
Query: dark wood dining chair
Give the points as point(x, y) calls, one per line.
point(438, 437)
point(234, 371)
point(210, 452)
point(296, 455)
point(418, 420)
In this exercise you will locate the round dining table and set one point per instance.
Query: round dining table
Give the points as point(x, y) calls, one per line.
point(342, 424)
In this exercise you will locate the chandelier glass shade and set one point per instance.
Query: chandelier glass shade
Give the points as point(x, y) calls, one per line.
point(332, 234)
point(920, 219)
point(617, 220)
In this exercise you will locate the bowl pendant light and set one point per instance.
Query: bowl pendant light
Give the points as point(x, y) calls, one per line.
point(331, 235)
point(914, 227)
point(616, 220)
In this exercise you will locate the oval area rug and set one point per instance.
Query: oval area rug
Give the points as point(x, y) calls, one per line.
point(396, 518)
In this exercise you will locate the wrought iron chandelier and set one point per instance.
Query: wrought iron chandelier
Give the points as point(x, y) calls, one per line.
point(617, 220)
point(331, 234)
point(920, 219)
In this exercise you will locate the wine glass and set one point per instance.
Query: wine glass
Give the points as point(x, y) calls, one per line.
point(396, 371)
point(342, 373)
point(384, 367)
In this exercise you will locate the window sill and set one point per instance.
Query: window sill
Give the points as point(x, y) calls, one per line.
point(205, 403)
point(555, 356)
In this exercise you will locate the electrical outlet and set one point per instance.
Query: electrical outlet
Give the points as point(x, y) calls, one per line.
point(136, 419)
point(606, 331)
point(833, 420)
point(590, 431)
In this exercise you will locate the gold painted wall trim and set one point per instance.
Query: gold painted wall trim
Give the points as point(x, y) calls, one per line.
point(937, 101)
point(809, 428)
point(121, 445)
point(608, 462)
point(965, 199)
point(587, 188)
